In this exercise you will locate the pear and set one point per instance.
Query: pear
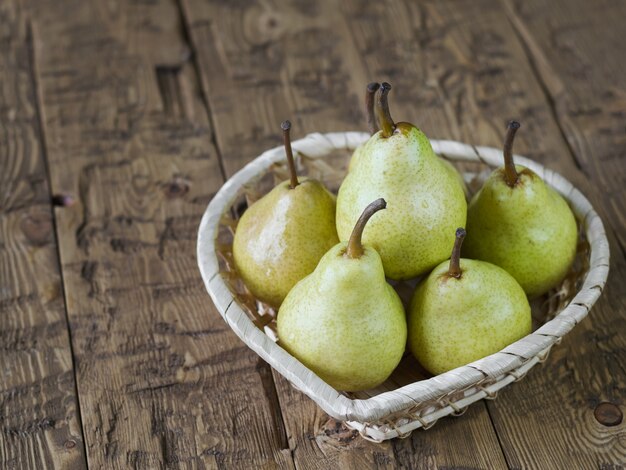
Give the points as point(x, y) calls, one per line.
point(343, 321)
point(455, 174)
point(425, 200)
point(521, 224)
point(465, 310)
point(370, 93)
point(282, 236)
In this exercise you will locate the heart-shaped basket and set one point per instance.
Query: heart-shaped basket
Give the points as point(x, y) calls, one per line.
point(410, 398)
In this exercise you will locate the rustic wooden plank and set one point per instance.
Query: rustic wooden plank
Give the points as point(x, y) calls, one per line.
point(577, 51)
point(460, 73)
point(261, 63)
point(39, 419)
point(162, 381)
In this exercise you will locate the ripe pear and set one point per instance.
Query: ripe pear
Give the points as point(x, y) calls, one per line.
point(372, 125)
point(426, 202)
point(455, 174)
point(282, 236)
point(343, 321)
point(465, 310)
point(521, 224)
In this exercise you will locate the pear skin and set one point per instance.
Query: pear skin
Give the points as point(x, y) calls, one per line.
point(449, 167)
point(344, 321)
point(457, 320)
point(281, 238)
point(528, 229)
point(355, 157)
point(425, 202)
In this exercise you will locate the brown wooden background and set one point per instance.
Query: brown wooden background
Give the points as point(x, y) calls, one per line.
point(111, 354)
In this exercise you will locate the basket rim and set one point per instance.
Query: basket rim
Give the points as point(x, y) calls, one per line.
point(491, 367)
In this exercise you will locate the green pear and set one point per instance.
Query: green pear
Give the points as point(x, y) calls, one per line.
point(425, 200)
point(449, 167)
point(343, 321)
point(455, 174)
point(282, 236)
point(521, 224)
point(465, 310)
point(370, 93)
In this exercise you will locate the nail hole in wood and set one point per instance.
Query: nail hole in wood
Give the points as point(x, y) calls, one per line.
point(63, 200)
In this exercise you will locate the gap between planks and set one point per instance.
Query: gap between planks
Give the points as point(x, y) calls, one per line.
point(264, 369)
point(44, 153)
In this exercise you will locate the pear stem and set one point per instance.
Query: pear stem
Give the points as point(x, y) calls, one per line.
point(355, 247)
point(370, 100)
point(510, 173)
point(286, 127)
point(455, 260)
point(382, 109)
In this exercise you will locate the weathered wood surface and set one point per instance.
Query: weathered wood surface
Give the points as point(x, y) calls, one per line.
point(147, 106)
point(39, 421)
point(162, 381)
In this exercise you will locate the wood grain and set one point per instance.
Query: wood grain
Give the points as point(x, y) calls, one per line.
point(39, 420)
point(262, 63)
point(462, 74)
point(573, 52)
point(163, 383)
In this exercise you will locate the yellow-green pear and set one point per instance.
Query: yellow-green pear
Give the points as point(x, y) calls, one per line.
point(343, 321)
point(465, 310)
point(282, 236)
point(370, 94)
point(523, 225)
point(426, 201)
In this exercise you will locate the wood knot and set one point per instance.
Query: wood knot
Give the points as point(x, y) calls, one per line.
point(178, 187)
point(271, 22)
point(333, 430)
point(608, 414)
point(37, 228)
point(69, 444)
point(263, 28)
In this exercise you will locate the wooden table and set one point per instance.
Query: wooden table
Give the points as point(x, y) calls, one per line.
point(119, 121)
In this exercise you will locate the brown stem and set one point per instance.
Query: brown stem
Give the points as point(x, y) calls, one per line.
point(355, 247)
point(510, 173)
point(382, 109)
point(455, 260)
point(286, 126)
point(370, 100)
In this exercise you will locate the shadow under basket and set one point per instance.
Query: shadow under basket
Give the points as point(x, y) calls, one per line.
point(410, 398)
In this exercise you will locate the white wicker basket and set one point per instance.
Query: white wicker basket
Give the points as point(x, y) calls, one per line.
point(400, 407)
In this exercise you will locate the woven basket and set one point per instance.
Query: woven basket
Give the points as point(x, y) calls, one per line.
point(410, 398)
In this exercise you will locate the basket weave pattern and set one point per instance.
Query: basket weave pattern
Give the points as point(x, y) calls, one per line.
point(410, 398)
